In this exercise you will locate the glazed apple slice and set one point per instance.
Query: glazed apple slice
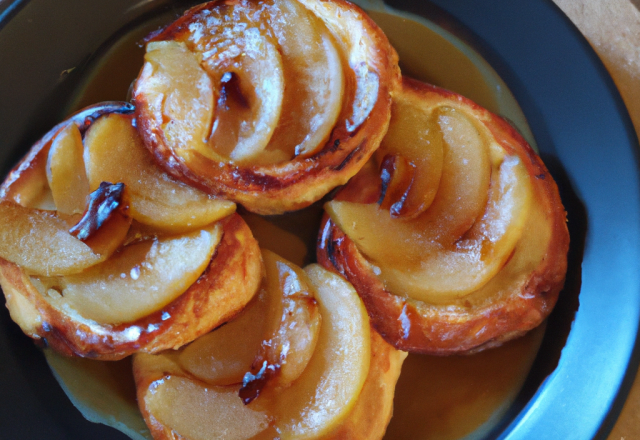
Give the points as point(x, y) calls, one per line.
point(237, 111)
point(223, 356)
point(322, 397)
point(115, 153)
point(66, 172)
point(138, 280)
point(39, 242)
point(412, 137)
point(314, 79)
point(292, 330)
point(481, 252)
point(27, 183)
point(280, 327)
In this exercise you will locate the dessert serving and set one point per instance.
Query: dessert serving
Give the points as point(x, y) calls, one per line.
point(318, 371)
point(474, 249)
point(120, 234)
point(142, 265)
point(270, 104)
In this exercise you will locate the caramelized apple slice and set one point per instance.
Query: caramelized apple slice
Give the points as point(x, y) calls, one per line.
point(201, 412)
point(209, 62)
point(397, 174)
point(314, 77)
point(40, 242)
point(27, 183)
point(181, 92)
point(327, 391)
point(317, 404)
point(138, 280)
point(66, 172)
point(223, 356)
point(115, 153)
point(482, 251)
point(422, 147)
point(427, 257)
point(275, 335)
point(293, 329)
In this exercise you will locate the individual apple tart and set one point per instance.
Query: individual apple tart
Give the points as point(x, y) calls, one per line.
point(102, 270)
point(454, 235)
point(271, 104)
point(299, 362)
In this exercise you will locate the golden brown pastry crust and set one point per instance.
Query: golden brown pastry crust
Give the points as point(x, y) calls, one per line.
point(426, 328)
point(228, 283)
point(294, 184)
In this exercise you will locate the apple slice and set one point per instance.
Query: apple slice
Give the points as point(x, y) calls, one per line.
point(40, 242)
point(115, 153)
point(314, 79)
point(413, 135)
point(398, 175)
point(223, 356)
point(482, 251)
point(138, 280)
point(275, 335)
point(314, 405)
point(66, 172)
point(322, 397)
point(210, 97)
point(293, 330)
point(27, 183)
point(229, 282)
point(426, 245)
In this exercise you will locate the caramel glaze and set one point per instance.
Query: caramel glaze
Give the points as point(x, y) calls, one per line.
point(294, 184)
point(228, 283)
point(419, 327)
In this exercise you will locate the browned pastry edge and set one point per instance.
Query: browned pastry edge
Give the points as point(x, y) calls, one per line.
point(294, 184)
point(228, 283)
point(451, 329)
point(368, 419)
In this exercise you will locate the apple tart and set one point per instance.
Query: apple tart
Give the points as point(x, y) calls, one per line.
point(271, 104)
point(102, 270)
point(454, 235)
point(299, 362)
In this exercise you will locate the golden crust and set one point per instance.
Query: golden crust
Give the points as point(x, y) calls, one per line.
point(461, 327)
point(294, 184)
point(229, 282)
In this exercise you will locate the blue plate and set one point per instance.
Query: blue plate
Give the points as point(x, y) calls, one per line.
point(588, 358)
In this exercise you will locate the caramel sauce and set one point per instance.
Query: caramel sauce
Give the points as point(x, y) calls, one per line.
point(442, 398)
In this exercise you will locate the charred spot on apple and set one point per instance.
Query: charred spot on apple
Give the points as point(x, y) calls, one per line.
point(397, 174)
point(103, 202)
point(253, 384)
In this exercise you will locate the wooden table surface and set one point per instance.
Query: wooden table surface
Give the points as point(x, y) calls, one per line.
point(613, 29)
